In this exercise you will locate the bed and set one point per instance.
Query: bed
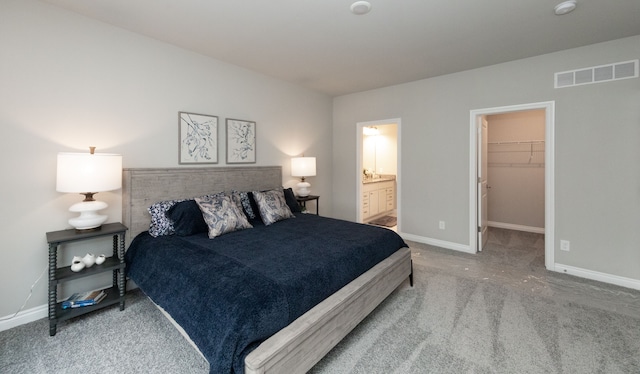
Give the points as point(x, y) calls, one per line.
point(293, 324)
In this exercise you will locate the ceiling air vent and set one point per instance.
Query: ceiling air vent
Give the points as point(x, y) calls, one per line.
point(597, 74)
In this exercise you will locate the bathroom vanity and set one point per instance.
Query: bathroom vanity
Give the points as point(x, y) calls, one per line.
point(378, 196)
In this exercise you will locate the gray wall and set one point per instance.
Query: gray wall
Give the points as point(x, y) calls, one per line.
point(597, 135)
point(68, 82)
point(516, 170)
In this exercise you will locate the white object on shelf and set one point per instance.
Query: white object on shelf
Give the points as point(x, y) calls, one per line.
point(77, 264)
point(89, 259)
point(100, 259)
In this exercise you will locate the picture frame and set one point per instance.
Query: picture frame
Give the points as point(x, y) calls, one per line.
point(197, 138)
point(240, 141)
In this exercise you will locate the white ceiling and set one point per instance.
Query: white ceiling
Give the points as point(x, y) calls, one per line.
point(321, 45)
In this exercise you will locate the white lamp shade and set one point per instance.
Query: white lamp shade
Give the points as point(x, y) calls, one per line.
point(86, 172)
point(303, 167)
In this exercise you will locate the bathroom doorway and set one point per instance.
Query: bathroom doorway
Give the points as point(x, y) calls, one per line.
point(378, 173)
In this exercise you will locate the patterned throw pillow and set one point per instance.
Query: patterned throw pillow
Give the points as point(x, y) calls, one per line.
point(272, 205)
point(222, 215)
point(161, 224)
point(243, 197)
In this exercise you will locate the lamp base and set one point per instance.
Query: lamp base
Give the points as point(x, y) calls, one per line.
point(303, 189)
point(89, 219)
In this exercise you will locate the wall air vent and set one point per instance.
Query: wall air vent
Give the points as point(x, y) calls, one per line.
point(597, 74)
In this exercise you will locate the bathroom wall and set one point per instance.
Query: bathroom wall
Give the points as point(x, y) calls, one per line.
point(380, 152)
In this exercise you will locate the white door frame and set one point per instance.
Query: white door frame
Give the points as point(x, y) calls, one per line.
point(358, 173)
point(482, 188)
point(549, 182)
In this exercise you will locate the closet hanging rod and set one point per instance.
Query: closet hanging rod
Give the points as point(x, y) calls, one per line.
point(519, 142)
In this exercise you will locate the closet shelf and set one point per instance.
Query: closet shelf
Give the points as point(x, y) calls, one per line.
point(521, 153)
point(518, 142)
point(514, 165)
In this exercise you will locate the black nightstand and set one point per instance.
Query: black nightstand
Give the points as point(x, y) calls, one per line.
point(303, 201)
point(57, 276)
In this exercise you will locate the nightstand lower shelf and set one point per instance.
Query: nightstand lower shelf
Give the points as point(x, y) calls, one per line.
point(113, 297)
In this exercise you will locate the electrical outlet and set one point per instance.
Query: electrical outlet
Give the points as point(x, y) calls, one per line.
point(565, 245)
point(441, 225)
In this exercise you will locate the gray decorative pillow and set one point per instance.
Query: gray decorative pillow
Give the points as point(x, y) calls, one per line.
point(222, 215)
point(272, 205)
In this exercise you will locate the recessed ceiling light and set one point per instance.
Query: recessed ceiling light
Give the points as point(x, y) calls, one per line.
point(565, 7)
point(360, 7)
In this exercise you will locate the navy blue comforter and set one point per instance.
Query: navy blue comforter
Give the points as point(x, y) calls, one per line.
point(233, 292)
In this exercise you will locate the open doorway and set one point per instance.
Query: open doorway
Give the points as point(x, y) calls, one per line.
point(479, 155)
point(378, 173)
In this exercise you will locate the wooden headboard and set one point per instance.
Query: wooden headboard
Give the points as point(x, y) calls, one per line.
point(143, 187)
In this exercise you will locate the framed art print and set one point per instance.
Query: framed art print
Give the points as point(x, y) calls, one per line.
point(241, 141)
point(198, 138)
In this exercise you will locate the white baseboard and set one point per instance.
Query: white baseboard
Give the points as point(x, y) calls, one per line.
point(437, 242)
point(571, 270)
point(598, 276)
point(511, 226)
point(25, 316)
point(37, 313)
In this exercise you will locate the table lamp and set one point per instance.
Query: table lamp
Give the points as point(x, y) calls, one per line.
point(88, 174)
point(303, 167)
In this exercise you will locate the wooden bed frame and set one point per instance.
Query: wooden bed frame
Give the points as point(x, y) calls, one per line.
point(299, 346)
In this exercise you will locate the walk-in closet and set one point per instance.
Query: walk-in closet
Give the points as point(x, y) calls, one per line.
point(516, 156)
